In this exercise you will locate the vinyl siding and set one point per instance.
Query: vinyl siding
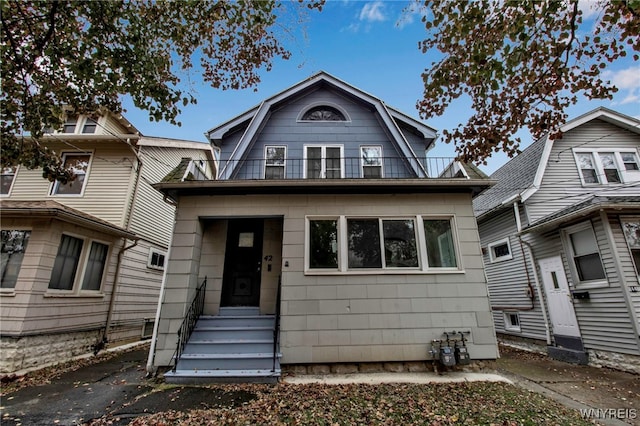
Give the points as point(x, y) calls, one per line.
point(508, 280)
point(561, 185)
point(107, 182)
point(343, 317)
point(152, 217)
point(604, 319)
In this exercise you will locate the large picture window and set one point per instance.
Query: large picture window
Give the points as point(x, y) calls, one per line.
point(374, 243)
point(79, 163)
point(14, 244)
point(74, 257)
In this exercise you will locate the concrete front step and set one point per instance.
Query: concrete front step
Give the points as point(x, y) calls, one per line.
point(229, 346)
point(231, 333)
point(236, 321)
point(239, 310)
point(238, 361)
point(223, 376)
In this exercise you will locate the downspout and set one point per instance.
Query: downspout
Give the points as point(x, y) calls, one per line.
point(156, 323)
point(526, 270)
point(128, 215)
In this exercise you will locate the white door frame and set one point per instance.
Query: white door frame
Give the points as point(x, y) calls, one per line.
point(559, 301)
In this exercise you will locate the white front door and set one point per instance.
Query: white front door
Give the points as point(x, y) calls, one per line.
point(563, 317)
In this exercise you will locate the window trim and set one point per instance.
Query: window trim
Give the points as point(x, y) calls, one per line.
point(150, 264)
point(508, 322)
point(323, 158)
point(284, 165)
point(568, 248)
point(81, 269)
point(625, 175)
point(303, 112)
point(13, 180)
point(623, 220)
point(421, 246)
point(81, 121)
point(55, 185)
point(362, 165)
point(496, 259)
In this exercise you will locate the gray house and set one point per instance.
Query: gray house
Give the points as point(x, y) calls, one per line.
point(327, 237)
point(560, 235)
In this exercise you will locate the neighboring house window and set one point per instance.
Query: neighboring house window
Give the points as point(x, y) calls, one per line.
point(95, 266)
point(371, 161)
point(380, 244)
point(511, 321)
point(323, 244)
point(323, 162)
point(90, 125)
point(79, 163)
point(323, 113)
point(6, 179)
point(274, 162)
point(14, 244)
point(584, 253)
point(72, 258)
point(500, 250)
point(441, 252)
point(607, 167)
point(156, 259)
point(631, 230)
point(69, 125)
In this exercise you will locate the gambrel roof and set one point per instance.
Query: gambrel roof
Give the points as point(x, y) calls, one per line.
point(252, 121)
point(521, 176)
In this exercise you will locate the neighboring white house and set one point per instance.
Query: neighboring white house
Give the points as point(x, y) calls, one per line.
point(83, 262)
point(560, 233)
point(328, 221)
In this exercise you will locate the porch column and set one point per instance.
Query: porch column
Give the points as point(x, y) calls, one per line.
point(181, 283)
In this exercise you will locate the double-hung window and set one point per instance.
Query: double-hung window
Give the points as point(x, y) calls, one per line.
point(371, 161)
point(323, 162)
point(14, 244)
point(79, 163)
point(580, 240)
point(631, 229)
point(75, 258)
point(413, 243)
point(607, 166)
point(274, 165)
point(6, 179)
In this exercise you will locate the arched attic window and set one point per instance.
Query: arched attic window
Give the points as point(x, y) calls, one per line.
point(323, 113)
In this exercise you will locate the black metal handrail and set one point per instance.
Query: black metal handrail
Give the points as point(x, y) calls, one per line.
point(189, 321)
point(276, 325)
point(337, 168)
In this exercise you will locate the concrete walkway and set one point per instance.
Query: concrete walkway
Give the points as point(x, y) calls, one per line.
point(118, 389)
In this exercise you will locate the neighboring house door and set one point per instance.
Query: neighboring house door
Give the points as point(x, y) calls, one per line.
point(563, 316)
point(242, 263)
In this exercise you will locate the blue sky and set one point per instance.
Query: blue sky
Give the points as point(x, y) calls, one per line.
point(370, 45)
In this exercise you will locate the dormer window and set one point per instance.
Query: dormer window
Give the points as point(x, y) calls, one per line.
point(70, 125)
point(89, 126)
point(323, 113)
point(80, 124)
point(607, 167)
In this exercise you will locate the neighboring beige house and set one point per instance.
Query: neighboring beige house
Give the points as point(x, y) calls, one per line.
point(82, 263)
point(561, 236)
point(328, 236)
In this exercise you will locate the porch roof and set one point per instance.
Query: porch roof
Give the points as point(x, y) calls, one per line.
point(53, 209)
point(174, 190)
point(585, 208)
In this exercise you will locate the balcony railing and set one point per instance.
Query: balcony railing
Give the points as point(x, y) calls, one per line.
point(340, 168)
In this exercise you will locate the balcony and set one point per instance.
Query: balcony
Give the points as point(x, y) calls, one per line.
point(346, 168)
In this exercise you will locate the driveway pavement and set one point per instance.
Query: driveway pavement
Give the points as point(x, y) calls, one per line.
point(118, 391)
